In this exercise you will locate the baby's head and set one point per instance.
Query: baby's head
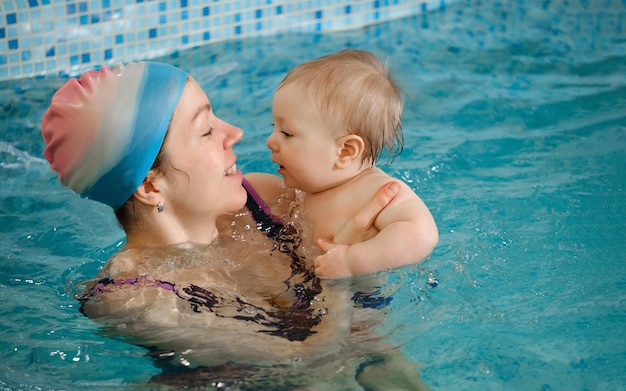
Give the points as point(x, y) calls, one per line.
point(103, 131)
point(356, 95)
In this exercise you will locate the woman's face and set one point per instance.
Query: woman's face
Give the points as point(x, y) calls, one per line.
point(201, 178)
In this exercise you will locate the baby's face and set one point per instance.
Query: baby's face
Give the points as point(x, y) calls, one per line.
point(303, 144)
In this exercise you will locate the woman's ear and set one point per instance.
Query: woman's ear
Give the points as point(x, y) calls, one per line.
point(149, 190)
point(351, 149)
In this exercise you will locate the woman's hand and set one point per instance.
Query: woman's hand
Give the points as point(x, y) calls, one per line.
point(361, 226)
point(333, 263)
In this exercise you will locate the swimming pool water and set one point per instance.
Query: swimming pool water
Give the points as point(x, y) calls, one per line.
point(515, 136)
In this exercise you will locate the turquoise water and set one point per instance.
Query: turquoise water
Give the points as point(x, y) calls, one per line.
point(515, 136)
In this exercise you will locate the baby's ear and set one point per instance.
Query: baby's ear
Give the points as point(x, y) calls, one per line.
point(351, 149)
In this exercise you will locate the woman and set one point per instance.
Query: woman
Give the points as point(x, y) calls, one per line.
point(193, 281)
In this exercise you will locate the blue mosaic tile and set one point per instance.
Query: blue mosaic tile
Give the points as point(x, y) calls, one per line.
point(11, 18)
point(70, 36)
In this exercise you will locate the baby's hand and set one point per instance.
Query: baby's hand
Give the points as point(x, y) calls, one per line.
point(334, 262)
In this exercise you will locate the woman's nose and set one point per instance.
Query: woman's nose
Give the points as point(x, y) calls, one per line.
point(234, 135)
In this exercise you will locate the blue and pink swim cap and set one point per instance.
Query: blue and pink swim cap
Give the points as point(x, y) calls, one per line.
point(104, 130)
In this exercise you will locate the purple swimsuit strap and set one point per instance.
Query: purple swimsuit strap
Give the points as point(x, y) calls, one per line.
point(104, 285)
point(259, 202)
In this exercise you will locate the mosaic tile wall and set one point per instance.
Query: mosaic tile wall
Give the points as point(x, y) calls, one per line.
point(69, 36)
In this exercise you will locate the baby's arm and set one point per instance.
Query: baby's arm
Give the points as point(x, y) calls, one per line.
point(408, 234)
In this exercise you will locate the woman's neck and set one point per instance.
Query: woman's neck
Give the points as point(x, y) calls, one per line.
point(165, 230)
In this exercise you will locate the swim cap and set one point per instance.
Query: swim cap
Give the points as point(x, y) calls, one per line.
point(104, 130)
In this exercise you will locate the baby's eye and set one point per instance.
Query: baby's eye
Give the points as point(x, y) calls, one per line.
point(282, 131)
point(209, 132)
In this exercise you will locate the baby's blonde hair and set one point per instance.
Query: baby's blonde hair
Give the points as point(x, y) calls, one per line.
point(355, 91)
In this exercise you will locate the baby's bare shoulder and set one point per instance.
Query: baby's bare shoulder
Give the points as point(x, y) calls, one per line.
point(374, 179)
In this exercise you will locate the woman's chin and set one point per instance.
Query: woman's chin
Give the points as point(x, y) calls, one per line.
point(238, 196)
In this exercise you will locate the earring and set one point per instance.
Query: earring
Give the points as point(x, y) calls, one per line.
point(160, 207)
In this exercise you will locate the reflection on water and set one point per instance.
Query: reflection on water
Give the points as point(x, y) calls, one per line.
point(514, 137)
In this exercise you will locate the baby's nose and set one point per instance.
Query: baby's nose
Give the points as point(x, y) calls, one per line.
point(270, 142)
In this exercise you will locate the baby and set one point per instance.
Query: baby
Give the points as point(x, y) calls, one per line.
point(333, 117)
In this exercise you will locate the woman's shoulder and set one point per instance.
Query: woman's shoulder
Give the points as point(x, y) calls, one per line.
point(123, 264)
point(272, 190)
point(122, 290)
point(265, 184)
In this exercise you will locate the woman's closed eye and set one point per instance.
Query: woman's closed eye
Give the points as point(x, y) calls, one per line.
point(209, 132)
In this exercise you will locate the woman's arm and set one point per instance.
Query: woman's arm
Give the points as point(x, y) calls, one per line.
point(213, 325)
